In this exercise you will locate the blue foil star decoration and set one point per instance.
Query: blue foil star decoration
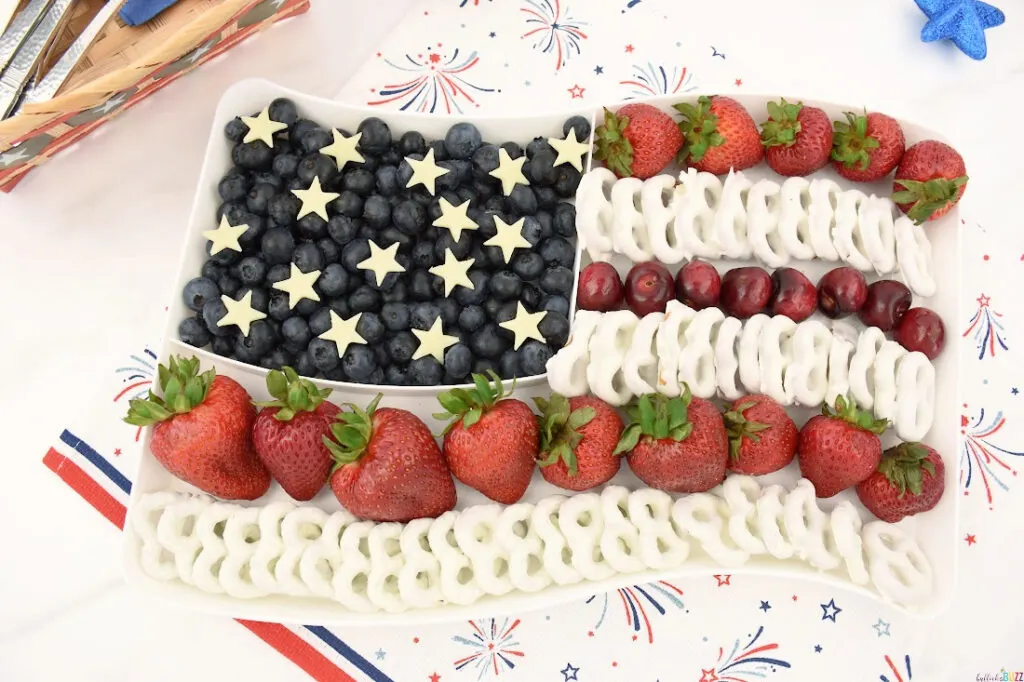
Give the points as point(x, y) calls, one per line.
point(962, 21)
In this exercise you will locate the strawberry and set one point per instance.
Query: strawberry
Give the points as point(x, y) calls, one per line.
point(577, 441)
point(637, 141)
point(912, 467)
point(202, 430)
point(490, 441)
point(718, 135)
point(866, 148)
point(676, 444)
point(762, 437)
point(931, 178)
point(289, 433)
point(387, 465)
point(837, 450)
point(797, 139)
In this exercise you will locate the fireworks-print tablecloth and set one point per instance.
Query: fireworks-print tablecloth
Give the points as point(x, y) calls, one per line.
point(470, 56)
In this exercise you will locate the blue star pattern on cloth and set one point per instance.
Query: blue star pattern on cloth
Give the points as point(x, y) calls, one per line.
point(962, 21)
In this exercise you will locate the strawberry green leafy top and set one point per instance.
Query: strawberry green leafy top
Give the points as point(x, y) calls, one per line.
point(351, 433)
point(851, 142)
point(739, 427)
point(469, 405)
point(699, 128)
point(782, 124)
point(846, 409)
point(183, 388)
point(657, 416)
point(927, 197)
point(292, 394)
point(903, 465)
point(559, 430)
point(612, 146)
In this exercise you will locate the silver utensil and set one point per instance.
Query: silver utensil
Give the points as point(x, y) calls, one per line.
point(15, 77)
point(20, 28)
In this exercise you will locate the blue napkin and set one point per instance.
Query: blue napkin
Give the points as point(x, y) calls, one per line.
point(136, 12)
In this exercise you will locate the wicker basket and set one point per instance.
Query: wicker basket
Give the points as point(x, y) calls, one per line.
point(123, 66)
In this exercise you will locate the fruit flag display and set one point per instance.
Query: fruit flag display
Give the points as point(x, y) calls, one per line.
point(664, 630)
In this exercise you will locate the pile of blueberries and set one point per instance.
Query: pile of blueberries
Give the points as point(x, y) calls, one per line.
point(374, 204)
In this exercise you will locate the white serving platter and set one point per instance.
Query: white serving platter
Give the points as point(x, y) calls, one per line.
point(936, 531)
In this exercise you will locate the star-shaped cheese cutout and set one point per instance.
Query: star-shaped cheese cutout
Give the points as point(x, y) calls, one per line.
point(433, 341)
point(454, 218)
point(509, 171)
point(225, 236)
point(262, 127)
point(299, 285)
point(570, 150)
point(454, 272)
point(314, 199)
point(524, 325)
point(382, 261)
point(509, 237)
point(240, 313)
point(343, 149)
point(343, 332)
point(424, 172)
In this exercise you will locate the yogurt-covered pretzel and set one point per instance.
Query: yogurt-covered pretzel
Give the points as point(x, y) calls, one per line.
point(775, 353)
point(794, 218)
point(844, 338)
point(727, 363)
point(271, 546)
point(846, 236)
point(915, 396)
point(669, 341)
point(419, 580)
point(156, 560)
point(741, 494)
point(701, 516)
point(808, 528)
point(821, 217)
point(608, 345)
point(695, 213)
point(806, 376)
point(887, 360)
point(876, 233)
point(749, 355)
point(658, 204)
point(620, 539)
point(595, 217)
point(241, 532)
point(697, 355)
point(556, 546)
point(210, 529)
point(763, 211)
point(386, 562)
point(770, 508)
point(846, 527)
point(515, 531)
point(176, 531)
point(661, 547)
point(861, 376)
point(350, 569)
point(567, 369)
point(898, 568)
point(474, 531)
point(914, 256)
point(300, 528)
point(458, 581)
point(640, 364)
point(581, 522)
point(730, 228)
point(632, 229)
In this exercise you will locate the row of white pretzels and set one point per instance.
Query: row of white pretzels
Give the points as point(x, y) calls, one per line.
point(702, 217)
point(617, 356)
point(458, 558)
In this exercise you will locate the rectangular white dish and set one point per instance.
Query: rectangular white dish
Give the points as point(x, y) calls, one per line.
point(935, 531)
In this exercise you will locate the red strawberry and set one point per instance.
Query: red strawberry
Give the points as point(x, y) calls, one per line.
point(491, 441)
point(289, 433)
point(837, 450)
point(202, 431)
point(797, 139)
point(866, 148)
point(577, 441)
point(719, 135)
point(388, 466)
point(676, 444)
point(931, 178)
point(762, 437)
point(912, 467)
point(637, 141)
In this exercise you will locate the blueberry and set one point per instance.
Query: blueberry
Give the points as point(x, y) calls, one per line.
point(235, 129)
point(471, 318)
point(380, 354)
point(434, 208)
point(258, 342)
point(354, 253)
point(556, 304)
point(277, 358)
point(422, 255)
point(567, 181)
point(330, 250)
point(335, 374)
point(370, 163)
point(531, 296)
point(283, 208)
point(580, 124)
point(211, 271)
point(492, 307)
point(295, 184)
point(255, 155)
point(420, 285)
point(538, 145)
point(360, 181)
point(223, 345)
point(554, 327)
point(311, 226)
point(268, 178)
point(320, 321)
point(359, 362)
point(395, 316)
point(506, 312)
point(342, 229)
point(405, 170)
point(233, 186)
point(458, 361)
point(347, 203)
point(565, 220)
point(377, 211)
point(466, 193)
point(298, 130)
point(315, 139)
point(534, 356)
point(556, 279)
point(401, 346)
point(257, 226)
point(450, 180)
point(283, 110)
point(484, 190)
point(557, 251)
point(532, 230)
point(425, 371)
point(341, 307)
point(440, 152)
point(324, 354)
point(494, 258)
point(528, 265)
point(460, 249)
point(505, 285)
point(497, 204)
point(489, 342)
point(547, 224)
point(260, 297)
point(412, 143)
point(547, 199)
point(376, 136)
point(395, 375)
point(485, 226)
point(391, 157)
point(450, 310)
point(540, 170)
point(232, 210)
point(304, 365)
point(193, 331)
point(307, 257)
point(279, 308)
point(485, 158)
point(422, 315)
point(198, 292)
point(225, 256)
point(259, 197)
point(333, 281)
point(250, 271)
point(478, 293)
point(462, 140)
point(512, 149)
point(316, 166)
point(371, 327)
point(410, 217)
point(485, 366)
point(278, 273)
point(396, 294)
point(228, 285)
point(386, 181)
point(509, 363)
point(286, 165)
point(364, 299)
point(391, 278)
point(522, 200)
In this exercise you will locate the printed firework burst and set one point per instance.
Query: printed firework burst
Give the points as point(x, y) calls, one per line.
point(437, 83)
point(653, 79)
point(635, 601)
point(553, 30)
point(895, 674)
point(986, 328)
point(136, 379)
point(981, 457)
point(494, 647)
point(745, 664)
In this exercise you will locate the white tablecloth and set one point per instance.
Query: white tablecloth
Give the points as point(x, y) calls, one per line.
point(89, 250)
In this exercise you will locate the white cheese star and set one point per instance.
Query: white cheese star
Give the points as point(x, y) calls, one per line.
point(299, 285)
point(314, 199)
point(509, 237)
point(382, 261)
point(240, 313)
point(343, 149)
point(525, 325)
point(433, 341)
point(343, 332)
point(225, 236)
point(454, 218)
point(509, 171)
point(262, 127)
point(424, 172)
point(570, 150)
point(454, 272)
